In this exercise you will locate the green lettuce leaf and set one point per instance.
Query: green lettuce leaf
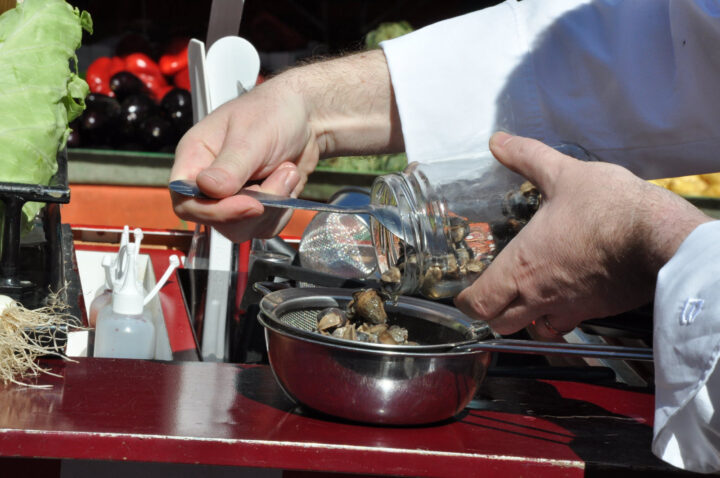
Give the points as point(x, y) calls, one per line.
point(40, 90)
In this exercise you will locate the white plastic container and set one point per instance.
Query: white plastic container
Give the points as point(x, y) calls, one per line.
point(119, 335)
point(124, 329)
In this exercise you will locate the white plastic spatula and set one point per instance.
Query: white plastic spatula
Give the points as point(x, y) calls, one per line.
point(198, 80)
point(229, 68)
point(232, 67)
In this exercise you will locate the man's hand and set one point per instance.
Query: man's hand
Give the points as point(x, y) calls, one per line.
point(277, 132)
point(593, 249)
point(265, 135)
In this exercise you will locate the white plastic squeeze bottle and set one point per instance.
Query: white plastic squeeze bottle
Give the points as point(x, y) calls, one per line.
point(124, 328)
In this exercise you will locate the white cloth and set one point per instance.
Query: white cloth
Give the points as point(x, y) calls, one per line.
point(687, 339)
point(636, 82)
point(627, 79)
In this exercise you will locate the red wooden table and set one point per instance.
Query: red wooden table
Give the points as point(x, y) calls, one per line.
point(228, 414)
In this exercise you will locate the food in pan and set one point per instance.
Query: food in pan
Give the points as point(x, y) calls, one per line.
point(364, 319)
point(471, 247)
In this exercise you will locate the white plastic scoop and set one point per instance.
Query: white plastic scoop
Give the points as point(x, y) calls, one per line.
point(232, 66)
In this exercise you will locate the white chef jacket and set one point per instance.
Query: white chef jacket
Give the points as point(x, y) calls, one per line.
point(637, 83)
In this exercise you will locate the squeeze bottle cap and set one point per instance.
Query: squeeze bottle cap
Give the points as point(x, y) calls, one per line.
point(128, 295)
point(138, 235)
point(107, 265)
point(174, 263)
point(113, 269)
point(125, 236)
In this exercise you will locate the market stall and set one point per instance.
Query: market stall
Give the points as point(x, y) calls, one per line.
point(204, 394)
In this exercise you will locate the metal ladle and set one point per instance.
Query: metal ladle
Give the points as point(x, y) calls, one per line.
point(388, 216)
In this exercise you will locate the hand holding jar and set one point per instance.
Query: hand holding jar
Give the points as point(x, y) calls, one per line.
point(593, 249)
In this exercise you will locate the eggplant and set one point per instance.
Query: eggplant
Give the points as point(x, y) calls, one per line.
point(124, 84)
point(96, 129)
point(177, 98)
point(74, 140)
point(134, 110)
point(98, 125)
point(103, 104)
point(157, 133)
point(177, 105)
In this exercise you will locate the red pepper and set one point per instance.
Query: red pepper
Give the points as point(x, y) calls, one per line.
point(181, 79)
point(156, 84)
point(163, 90)
point(137, 63)
point(142, 66)
point(175, 57)
point(99, 73)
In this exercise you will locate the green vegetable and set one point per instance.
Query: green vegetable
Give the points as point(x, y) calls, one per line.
point(40, 91)
point(386, 31)
point(379, 163)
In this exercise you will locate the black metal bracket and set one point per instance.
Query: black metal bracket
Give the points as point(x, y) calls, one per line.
point(14, 196)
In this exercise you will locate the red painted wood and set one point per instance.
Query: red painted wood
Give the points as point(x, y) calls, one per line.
point(224, 414)
point(227, 414)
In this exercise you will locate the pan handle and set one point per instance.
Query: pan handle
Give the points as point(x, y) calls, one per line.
point(266, 288)
point(553, 348)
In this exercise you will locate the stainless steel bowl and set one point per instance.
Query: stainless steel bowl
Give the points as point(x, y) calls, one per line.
point(390, 384)
point(374, 385)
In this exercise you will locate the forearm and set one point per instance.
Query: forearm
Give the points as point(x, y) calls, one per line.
point(350, 104)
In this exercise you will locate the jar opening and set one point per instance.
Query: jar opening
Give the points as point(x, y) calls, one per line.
point(396, 258)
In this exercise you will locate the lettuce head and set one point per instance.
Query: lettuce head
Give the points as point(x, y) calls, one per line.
point(40, 90)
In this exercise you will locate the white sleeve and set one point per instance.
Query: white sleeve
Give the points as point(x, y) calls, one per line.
point(634, 82)
point(687, 345)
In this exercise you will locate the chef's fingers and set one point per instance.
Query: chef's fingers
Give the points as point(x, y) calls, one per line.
point(213, 211)
point(283, 181)
point(242, 217)
point(286, 180)
point(240, 157)
point(522, 313)
point(198, 147)
point(537, 162)
point(550, 326)
point(516, 316)
point(492, 292)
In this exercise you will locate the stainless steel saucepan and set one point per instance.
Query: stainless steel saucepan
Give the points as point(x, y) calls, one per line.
point(391, 384)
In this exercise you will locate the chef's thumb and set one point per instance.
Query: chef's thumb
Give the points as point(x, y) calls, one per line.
point(230, 171)
point(534, 160)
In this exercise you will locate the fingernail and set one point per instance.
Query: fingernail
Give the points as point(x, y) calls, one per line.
point(216, 175)
point(500, 139)
point(290, 180)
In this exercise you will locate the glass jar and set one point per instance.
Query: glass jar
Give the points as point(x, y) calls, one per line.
point(457, 216)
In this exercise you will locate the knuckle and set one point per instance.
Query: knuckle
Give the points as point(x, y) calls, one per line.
point(478, 306)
